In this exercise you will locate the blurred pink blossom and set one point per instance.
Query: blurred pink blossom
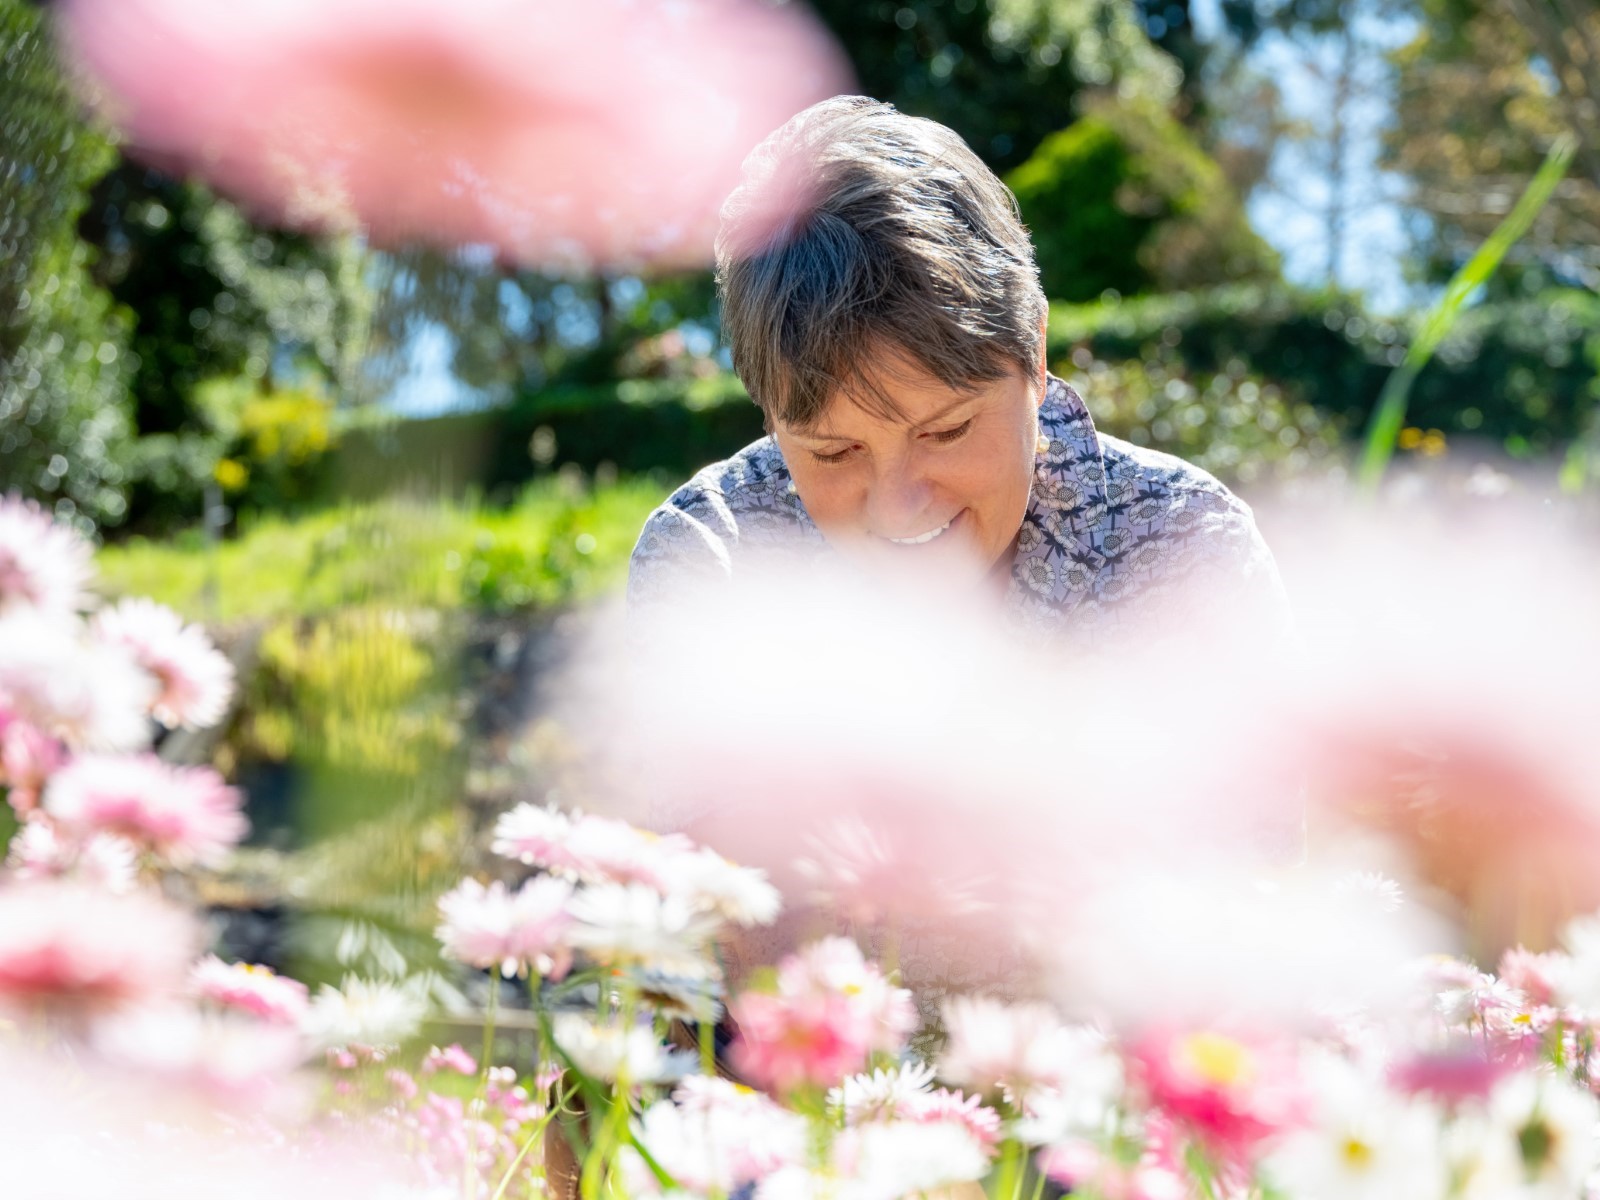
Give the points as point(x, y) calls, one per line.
point(39, 851)
point(90, 695)
point(73, 950)
point(221, 1058)
point(1019, 1049)
point(603, 133)
point(44, 564)
point(1452, 1075)
point(27, 757)
point(1438, 706)
point(72, 1134)
point(511, 931)
point(1232, 1091)
point(248, 988)
point(187, 815)
point(713, 1137)
point(450, 1058)
point(1082, 1167)
point(591, 848)
point(1536, 976)
point(830, 1011)
point(194, 677)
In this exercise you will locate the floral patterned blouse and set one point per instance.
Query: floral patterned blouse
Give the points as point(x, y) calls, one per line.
point(1110, 530)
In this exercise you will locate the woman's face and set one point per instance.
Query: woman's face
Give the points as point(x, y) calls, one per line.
point(945, 488)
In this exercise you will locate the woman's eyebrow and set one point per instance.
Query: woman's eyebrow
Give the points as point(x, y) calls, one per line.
point(947, 410)
point(816, 435)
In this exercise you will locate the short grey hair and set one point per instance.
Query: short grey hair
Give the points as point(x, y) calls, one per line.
point(858, 229)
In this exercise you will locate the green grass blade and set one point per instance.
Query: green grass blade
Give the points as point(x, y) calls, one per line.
point(1390, 415)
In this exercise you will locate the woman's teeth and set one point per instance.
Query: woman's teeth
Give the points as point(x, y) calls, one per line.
point(922, 537)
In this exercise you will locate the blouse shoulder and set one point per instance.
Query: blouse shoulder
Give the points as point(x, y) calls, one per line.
point(1183, 532)
point(695, 533)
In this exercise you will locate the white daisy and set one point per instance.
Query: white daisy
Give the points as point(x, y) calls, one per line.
point(1363, 1143)
point(612, 1051)
point(616, 924)
point(366, 1012)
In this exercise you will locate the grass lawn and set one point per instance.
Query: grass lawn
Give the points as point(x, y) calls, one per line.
point(557, 543)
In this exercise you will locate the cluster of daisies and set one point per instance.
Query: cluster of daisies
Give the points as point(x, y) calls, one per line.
point(1470, 1086)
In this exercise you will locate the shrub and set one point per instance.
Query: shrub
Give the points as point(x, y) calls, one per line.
point(1125, 199)
point(1518, 374)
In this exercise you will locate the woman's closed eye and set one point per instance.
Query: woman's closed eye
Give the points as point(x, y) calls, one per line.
point(950, 435)
point(834, 459)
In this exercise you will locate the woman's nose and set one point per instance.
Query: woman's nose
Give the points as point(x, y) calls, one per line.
point(897, 506)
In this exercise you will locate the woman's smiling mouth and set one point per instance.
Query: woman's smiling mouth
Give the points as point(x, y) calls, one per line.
point(922, 537)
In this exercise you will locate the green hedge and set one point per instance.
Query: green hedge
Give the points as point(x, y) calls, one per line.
point(1521, 374)
point(634, 426)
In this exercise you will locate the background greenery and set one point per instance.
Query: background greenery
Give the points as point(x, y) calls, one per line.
point(212, 398)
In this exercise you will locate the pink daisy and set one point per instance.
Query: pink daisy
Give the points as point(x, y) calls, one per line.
point(1233, 1092)
point(246, 987)
point(184, 814)
point(831, 1011)
point(27, 757)
point(195, 678)
point(39, 851)
point(43, 564)
point(90, 695)
point(514, 931)
point(220, 1058)
point(593, 849)
point(575, 134)
point(74, 949)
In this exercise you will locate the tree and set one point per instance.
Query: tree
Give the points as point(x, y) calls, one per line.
point(64, 412)
point(1002, 73)
point(1478, 107)
point(1125, 199)
point(214, 294)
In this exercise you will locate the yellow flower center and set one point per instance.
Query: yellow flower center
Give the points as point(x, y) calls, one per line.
point(1357, 1154)
point(1218, 1060)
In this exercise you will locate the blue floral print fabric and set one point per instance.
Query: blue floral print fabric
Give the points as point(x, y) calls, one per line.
point(1112, 530)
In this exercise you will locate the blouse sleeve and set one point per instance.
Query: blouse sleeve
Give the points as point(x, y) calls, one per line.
point(684, 542)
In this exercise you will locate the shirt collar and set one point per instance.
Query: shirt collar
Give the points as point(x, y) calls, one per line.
point(1056, 559)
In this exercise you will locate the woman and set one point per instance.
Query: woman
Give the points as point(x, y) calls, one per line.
point(881, 299)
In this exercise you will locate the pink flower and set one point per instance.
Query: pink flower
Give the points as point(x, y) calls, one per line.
point(1464, 1072)
point(606, 132)
point(969, 1112)
point(1231, 1092)
point(1082, 1167)
point(38, 851)
point(195, 679)
point(593, 849)
point(1026, 1049)
point(246, 987)
point(831, 1010)
point(184, 814)
point(74, 949)
point(402, 1084)
point(238, 1063)
point(451, 1058)
point(43, 564)
point(512, 931)
point(1532, 974)
point(91, 695)
point(27, 757)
